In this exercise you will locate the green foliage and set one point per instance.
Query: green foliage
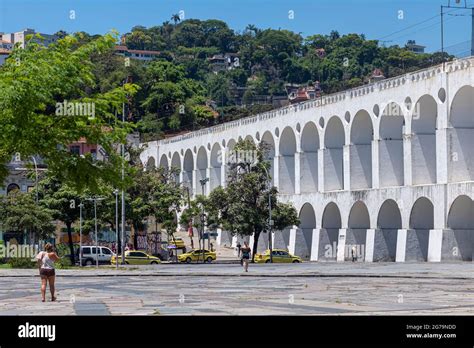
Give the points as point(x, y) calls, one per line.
point(19, 213)
point(21, 262)
point(32, 82)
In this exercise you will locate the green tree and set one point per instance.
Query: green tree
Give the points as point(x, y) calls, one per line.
point(34, 82)
point(242, 207)
point(20, 213)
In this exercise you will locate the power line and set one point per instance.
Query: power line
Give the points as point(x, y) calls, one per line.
point(414, 25)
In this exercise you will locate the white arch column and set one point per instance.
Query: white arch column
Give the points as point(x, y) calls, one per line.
point(321, 170)
point(297, 172)
point(407, 164)
point(442, 144)
point(346, 167)
point(224, 168)
point(341, 245)
point(195, 170)
point(375, 164)
point(276, 169)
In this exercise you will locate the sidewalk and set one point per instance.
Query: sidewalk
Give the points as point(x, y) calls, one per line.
point(455, 271)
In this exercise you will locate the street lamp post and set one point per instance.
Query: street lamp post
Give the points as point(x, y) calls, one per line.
point(81, 205)
point(116, 192)
point(270, 221)
point(95, 199)
point(203, 184)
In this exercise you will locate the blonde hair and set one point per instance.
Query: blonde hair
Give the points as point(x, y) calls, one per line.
point(48, 247)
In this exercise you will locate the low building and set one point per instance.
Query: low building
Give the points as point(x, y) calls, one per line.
point(145, 55)
point(413, 47)
point(24, 36)
point(221, 62)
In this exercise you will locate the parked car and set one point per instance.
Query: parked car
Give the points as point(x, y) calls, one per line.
point(89, 255)
point(279, 256)
point(134, 257)
point(195, 255)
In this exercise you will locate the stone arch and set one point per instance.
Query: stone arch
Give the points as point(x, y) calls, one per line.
point(391, 146)
point(329, 234)
point(334, 139)
point(12, 188)
point(188, 168)
point(304, 234)
point(389, 221)
point(201, 173)
point(164, 162)
point(423, 140)
point(150, 163)
point(216, 163)
point(458, 240)
point(287, 150)
point(362, 132)
point(461, 136)
point(356, 234)
point(269, 144)
point(176, 164)
point(309, 158)
point(421, 222)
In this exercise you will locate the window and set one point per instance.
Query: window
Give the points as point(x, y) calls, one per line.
point(94, 250)
point(137, 254)
point(106, 251)
point(75, 149)
point(86, 250)
point(283, 253)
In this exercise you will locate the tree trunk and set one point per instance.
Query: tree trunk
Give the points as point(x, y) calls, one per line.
point(256, 235)
point(71, 246)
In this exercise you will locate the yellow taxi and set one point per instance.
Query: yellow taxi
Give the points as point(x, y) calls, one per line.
point(195, 255)
point(279, 256)
point(135, 257)
point(178, 242)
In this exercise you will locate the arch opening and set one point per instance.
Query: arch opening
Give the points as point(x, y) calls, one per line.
point(361, 151)
point(356, 234)
point(421, 222)
point(176, 164)
point(389, 221)
point(309, 158)
point(461, 136)
point(304, 234)
point(188, 168)
point(329, 234)
point(333, 155)
point(458, 240)
point(216, 162)
point(287, 149)
point(423, 141)
point(201, 172)
point(391, 146)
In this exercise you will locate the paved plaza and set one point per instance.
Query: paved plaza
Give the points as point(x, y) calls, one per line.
point(223, 289)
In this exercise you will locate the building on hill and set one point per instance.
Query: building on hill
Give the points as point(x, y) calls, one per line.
point(24, 36)
point(145, 55)
point(413, 47)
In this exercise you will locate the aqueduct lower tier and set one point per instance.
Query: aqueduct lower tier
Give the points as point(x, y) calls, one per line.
point(385, 171)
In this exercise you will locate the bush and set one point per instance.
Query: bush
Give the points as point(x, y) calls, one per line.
point(22, 262)
point(63, 263)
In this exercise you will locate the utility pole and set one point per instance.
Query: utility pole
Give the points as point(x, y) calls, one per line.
point(116, 192)
point(81, 205)
point(203, 184)
point(270, 221)
point(95, 199)
point(472, 22)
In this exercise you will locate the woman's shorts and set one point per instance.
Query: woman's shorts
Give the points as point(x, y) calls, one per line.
point(46, 273)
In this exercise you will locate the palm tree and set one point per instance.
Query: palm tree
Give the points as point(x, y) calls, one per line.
point(176, 18)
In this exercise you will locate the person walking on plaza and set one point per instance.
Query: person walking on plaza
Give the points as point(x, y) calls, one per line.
point(45, 260)
point(245, 256)
point(238, 252)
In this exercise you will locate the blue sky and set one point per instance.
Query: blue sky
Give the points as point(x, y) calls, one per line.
point(375, 18)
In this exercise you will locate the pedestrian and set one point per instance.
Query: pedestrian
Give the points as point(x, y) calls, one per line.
point(245, 256)
point(239, 247)
point(45, 260)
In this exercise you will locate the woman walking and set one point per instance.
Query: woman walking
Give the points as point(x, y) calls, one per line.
point(46, 260)
point(245, 252)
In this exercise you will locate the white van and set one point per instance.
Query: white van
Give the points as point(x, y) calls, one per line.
point(89, 255)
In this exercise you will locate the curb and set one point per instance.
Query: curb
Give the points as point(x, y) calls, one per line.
point(245, 275)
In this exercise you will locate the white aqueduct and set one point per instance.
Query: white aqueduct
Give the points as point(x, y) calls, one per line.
point(388, 167)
